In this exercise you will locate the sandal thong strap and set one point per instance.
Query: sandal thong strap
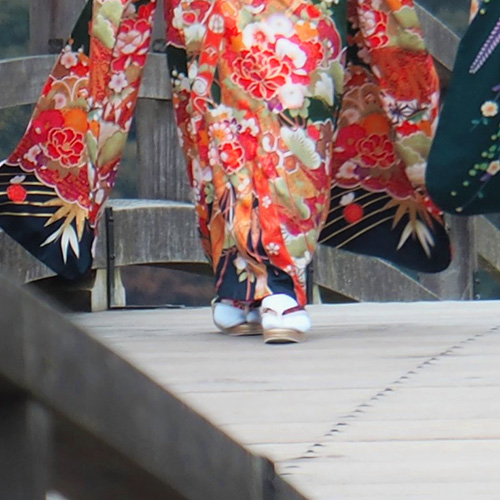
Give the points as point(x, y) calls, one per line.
point(285, 312)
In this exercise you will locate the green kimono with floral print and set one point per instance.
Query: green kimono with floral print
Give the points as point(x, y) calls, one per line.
point(465, 158)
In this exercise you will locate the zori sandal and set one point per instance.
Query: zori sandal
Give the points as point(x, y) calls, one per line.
point(284, 321)
point(237, 318)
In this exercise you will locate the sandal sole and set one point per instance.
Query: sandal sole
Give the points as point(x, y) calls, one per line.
point(283, 336)
point(244, 330)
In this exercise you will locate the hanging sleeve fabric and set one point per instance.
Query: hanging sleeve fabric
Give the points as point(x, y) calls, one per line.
point(53, 187)
point(379, 200)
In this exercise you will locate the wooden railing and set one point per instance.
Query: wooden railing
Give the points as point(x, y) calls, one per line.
point(164, 216)
point(78, 419)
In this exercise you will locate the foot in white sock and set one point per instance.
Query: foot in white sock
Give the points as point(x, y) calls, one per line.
point(283, 319)
point(236, 318)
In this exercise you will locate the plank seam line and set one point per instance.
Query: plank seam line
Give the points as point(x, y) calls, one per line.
point(392, 388)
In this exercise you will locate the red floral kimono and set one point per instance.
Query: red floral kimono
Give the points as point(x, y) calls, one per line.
point(301, 121)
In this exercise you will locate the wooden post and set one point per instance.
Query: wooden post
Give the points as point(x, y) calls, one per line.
point(457, 282)
point(25, 444)
point(162, 173)
point(51, 22)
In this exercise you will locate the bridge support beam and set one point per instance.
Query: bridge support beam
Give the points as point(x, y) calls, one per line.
point(26, 448)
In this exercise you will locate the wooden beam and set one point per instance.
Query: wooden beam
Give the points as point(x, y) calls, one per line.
point(363, 278)
point(441, 41)
point(30, 74)
point(26, 444)
point(77, 377)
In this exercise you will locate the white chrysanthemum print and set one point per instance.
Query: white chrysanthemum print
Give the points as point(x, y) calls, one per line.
point(257, 34)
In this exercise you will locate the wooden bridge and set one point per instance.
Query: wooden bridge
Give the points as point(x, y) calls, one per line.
point(386, 400)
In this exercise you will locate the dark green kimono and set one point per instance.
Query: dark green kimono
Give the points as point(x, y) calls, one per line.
point(463, 173)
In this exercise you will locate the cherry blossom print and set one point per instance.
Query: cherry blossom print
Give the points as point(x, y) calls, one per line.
point(118, 82)
point(69, 59)
point(258, 34)
point(261, 113)
point(280, 24)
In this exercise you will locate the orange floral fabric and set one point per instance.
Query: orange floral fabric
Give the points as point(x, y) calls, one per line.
point(301, 121)
point(258, 87)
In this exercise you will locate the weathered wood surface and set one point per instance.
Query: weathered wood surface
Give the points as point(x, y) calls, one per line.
point(457, 281)
point(146, 232)
point(441, 42)
point(46, 358)
point(344, 272)
point(384, 401)
point(25, 437)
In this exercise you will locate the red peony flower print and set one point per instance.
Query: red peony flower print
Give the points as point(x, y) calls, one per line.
point(132, 43)
point(378, 40)
point(66, 146)
point(16, 193)
point(45, 122)
point(377, 151)
point(260, 73)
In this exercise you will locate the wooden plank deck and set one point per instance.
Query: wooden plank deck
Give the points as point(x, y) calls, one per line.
point(383, 401)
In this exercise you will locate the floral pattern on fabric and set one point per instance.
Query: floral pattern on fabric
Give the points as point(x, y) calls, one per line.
point(256, 99)
point(380, 205)
point(60, 175)
point(256, 91)
point(290, 113)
